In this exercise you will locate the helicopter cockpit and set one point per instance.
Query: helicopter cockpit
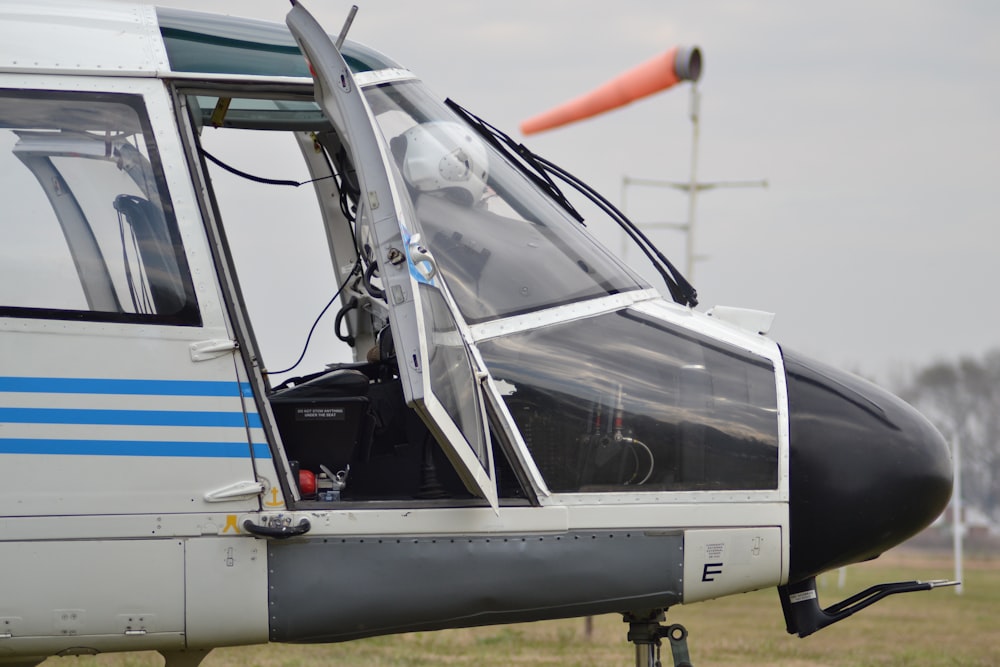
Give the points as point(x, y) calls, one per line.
point(696, 415)
point(516, 289)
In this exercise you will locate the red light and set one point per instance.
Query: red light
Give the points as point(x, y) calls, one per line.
point(307, 482)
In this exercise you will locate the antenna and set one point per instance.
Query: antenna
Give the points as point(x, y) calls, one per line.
point(347, 26)
point(693, 186)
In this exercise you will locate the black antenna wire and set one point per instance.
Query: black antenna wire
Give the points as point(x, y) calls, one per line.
point(315, 323)
point(257, 179)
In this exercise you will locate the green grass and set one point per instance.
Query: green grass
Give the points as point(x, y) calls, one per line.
point(926, 629)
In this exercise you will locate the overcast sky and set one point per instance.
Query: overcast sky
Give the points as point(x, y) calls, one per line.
point(876, 126)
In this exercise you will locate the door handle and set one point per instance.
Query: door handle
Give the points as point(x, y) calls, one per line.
point(422, 259)
point(277, 531)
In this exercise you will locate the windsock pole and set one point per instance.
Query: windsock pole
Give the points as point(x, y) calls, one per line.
point(677, 64)
point(680, 63)
point(957, 520)
point(693, 186)
point(659, 73)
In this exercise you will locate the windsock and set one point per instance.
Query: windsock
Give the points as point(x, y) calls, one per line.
point(681, 63)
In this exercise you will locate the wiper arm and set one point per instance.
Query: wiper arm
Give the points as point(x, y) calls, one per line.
point(680, 289)
point(518, 154)
point(540, 171)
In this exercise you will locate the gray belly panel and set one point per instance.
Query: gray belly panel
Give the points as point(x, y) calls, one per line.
point(333, 589)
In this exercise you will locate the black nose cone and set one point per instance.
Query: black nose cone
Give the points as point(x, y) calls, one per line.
point(867, 471)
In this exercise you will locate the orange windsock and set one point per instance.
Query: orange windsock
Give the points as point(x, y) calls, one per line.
point(676, 65)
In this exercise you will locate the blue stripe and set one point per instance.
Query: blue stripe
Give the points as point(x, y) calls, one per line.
point(35, 385)
point(126, 417)
point(229, 450)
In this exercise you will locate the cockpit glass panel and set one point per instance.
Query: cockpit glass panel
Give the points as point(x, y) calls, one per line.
point(502, 246)
point(451, 371)
point(201, 42)
point(258, 114)
point(89, 229)
point(624, 402)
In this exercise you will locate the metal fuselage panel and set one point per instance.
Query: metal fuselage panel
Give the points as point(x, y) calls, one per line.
point(97, 595)
point(117, 441)
point(337, 589)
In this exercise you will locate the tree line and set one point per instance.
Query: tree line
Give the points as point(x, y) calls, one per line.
point(962, 399)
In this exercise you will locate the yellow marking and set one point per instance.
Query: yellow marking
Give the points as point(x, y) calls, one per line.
point(219, 112)
point(275, 501)
point(231, 523)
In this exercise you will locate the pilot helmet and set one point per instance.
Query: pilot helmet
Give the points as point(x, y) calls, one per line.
point(443, 157)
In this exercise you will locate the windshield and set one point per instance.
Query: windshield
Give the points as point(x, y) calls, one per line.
point(503, 247)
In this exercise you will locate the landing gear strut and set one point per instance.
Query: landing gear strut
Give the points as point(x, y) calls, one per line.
point(645, 631)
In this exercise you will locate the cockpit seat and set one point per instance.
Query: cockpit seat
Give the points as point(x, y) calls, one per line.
point(333, 383)
point(324, 420)
point(157, 256)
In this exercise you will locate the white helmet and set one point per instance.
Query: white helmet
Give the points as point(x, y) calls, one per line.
point(445, 157)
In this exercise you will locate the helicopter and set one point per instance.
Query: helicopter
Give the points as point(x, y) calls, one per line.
point(526, 429)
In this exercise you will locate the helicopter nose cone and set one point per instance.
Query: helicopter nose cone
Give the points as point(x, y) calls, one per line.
point(866, 470)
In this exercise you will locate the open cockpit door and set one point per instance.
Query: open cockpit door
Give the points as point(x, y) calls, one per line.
point(438, 372)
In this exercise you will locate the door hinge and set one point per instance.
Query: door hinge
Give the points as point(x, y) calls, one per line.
point(237, 491)
point(204, 350)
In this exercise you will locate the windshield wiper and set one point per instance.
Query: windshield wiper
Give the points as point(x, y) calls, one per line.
point(518, 154)
point(540, 171)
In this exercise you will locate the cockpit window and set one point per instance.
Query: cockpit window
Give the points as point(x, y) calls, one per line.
point(501, 245)
point(89, 232)
point(200, 42)
point(452, 375)
point(623, 402)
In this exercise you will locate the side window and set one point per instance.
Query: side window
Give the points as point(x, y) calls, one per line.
point(622, 402)
point(89, 232)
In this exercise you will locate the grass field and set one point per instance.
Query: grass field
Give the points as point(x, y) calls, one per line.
point(927, 629)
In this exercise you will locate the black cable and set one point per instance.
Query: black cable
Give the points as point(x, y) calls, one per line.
point(345, 210)
point(305, 347)
point(374, 291)
point(347, 338)
point(257, 179)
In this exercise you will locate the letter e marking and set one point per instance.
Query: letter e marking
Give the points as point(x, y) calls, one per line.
point(711, 569)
